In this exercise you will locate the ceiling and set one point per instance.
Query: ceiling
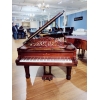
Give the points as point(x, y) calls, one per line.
point(25, 10)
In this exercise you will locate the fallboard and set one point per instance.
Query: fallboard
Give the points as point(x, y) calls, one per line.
point(48, 55)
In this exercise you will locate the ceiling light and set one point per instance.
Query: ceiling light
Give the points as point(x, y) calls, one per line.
point(60, 2)
point(72, 1)
point(83, 0)
point(31, 15)
point(43, 6)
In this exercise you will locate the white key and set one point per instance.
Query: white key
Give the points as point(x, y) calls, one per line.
point(47, 60)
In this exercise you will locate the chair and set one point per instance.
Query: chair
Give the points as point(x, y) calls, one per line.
point(21, 34)
point(69, 30)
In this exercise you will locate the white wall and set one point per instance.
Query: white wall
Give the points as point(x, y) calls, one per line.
point(33, 24)
point(20, 23)
point(37, 24)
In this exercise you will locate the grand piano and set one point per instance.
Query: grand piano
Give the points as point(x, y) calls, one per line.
point(47, 51)
point(80, 42)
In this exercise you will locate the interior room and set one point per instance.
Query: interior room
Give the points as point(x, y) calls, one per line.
point(49, 49)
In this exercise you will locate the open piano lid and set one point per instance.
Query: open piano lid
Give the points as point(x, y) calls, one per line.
point(44, 26)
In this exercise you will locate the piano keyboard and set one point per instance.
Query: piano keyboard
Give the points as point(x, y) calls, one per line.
point(47, 60)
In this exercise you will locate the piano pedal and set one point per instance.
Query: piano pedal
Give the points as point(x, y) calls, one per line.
point(47, 77)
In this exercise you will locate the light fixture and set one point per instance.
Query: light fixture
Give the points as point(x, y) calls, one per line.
point(43, 6)
point(60, 2)
point(31, 14)
point(83, 0)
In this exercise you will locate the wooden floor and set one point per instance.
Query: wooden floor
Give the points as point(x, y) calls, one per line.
point(57, 89)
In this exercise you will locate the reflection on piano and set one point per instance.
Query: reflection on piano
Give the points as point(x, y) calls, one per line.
point(47, 51)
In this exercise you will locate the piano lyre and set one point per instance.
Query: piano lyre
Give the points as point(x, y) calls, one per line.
point(47, 51)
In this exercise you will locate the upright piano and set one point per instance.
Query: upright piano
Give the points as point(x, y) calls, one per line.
point(47, 51)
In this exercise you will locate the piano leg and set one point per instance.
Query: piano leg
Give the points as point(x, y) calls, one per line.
point(68, 76)
point(81, 55)
point(47, 76)
point(50, 70)
point(79, 52)
point(51, 76)
point(83, 52)
point(44, 70)
point(27, 71)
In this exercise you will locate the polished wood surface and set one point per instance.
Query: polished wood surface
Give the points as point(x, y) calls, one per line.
point(57, 89)
point(50, 52)
point(47, 48)
point(80, 42)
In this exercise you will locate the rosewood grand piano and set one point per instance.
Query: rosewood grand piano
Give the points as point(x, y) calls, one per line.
point(46, 51)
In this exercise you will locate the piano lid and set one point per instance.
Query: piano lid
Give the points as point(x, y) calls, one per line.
point(44, 26)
